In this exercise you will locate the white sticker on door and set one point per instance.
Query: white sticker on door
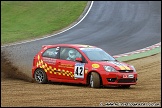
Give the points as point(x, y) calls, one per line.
point(79, 70)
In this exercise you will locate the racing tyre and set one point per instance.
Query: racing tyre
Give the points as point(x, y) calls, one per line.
point(40, 76)
point(94, 80)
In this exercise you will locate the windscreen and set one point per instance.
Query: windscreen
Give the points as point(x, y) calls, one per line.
point(97, 54)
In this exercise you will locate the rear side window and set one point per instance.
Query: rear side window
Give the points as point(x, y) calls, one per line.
point(51, 53)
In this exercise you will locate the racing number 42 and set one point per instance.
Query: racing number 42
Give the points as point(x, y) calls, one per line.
point(79, 70)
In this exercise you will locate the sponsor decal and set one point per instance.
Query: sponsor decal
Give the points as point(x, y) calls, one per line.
point(49, 60)
point(120, 65)
point(66, 66)
point(95, 65)
point(51, 70)
point(38, 57)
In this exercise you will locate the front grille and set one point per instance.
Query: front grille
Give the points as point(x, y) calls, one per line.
point(125, 71)
point(126, 81)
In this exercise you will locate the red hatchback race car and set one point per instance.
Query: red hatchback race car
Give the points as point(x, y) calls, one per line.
point(82, 64)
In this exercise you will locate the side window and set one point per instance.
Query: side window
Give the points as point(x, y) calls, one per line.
point(51, 53)
point(69, 54)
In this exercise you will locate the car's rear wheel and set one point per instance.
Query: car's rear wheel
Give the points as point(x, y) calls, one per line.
point(94, 80)
point(40, 76)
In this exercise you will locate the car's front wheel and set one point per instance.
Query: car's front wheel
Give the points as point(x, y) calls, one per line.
point(94, 80)
point(40, 76)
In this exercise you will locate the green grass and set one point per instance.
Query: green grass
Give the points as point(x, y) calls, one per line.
point(140, 55)
point(22, 20)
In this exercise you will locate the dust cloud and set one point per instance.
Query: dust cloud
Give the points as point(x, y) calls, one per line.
point(8, 70)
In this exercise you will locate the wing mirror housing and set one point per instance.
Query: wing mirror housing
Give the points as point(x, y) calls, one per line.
point(78, 59)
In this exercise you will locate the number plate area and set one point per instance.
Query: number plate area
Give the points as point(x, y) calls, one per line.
point(128, 76)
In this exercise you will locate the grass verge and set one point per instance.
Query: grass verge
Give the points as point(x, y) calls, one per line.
point(22, 20)
point(140, 55)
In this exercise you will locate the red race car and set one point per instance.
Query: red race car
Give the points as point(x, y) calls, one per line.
point(84, 64)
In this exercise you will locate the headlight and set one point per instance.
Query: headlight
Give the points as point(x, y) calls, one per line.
point(133, 68)
point(109, 69)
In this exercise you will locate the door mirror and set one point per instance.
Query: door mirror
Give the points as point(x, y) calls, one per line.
point(78, 59)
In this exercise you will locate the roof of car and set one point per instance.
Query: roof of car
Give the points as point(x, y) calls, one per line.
point(69, 45)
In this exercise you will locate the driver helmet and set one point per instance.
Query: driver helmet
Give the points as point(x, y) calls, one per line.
point(72, 54)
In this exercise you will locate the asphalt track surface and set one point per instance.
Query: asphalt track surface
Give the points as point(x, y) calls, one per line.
point(116, 26)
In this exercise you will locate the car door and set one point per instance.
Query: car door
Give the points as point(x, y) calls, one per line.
point(50, 58)
point(70, 68)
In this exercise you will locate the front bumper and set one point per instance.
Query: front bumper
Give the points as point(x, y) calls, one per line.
point(117, 78)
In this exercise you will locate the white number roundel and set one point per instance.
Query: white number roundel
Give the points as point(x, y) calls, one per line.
point(79, 70)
